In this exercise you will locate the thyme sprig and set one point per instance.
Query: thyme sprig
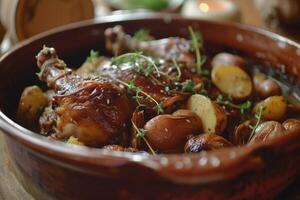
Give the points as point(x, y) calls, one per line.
point(187, 86)
point(93, 56)
point(140, 94)
point(243, 107)
point(142, 35)
point(178, 69)
point(197, 44)
point(258, 117)
point(144, 64)
point(141, 133)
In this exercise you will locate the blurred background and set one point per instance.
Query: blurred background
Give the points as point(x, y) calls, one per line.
point(21, 19)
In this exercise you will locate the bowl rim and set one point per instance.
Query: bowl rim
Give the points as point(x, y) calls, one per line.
point(168, 164)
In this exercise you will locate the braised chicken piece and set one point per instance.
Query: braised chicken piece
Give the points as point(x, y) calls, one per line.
point(118, 42)
point(94, 110)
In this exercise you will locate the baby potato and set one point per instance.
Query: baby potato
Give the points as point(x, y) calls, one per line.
point(267, 130)
point(31, 105)
point(213, 117)
point(274, 108)
point(169, 133)
point(232, 81)
point(228, 59)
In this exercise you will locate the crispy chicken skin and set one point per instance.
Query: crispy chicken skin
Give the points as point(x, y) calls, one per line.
point(93, 110)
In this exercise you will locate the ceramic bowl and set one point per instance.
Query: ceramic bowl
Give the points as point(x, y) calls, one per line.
point(52, 169)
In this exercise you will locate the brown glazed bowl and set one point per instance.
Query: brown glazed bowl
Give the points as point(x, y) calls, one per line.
point(53, 169)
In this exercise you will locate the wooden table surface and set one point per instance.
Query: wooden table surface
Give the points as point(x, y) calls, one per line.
point(10, 188)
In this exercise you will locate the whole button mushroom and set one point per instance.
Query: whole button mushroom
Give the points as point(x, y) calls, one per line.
point(168, 133)
point(242, 133)
point(266, 131)
point(265, 87)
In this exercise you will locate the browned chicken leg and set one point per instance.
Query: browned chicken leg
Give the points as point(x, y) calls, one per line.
point(118, 42)
point(94, 110)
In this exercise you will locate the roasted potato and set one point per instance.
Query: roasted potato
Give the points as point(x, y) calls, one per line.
point(266, 131)
point(228, 59)
point(274, 108)
point(169, 133)
point(213, 117)
point(232, 81)
point(31, 105)
point(205, 142)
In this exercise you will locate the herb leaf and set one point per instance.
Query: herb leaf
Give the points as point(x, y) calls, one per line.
point(258, 116)
point(141, 133)
point(243, 107)
point(187, 86)
point(197, 44)
point(178, 69)
point(93, 56)
point(140, 94)
point(142, 35)
point(143, 64)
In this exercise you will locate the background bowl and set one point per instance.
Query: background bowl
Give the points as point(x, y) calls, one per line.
point(53, 169)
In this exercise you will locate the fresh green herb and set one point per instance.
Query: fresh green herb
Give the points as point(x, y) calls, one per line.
point(187, 86)
point(178, 70)
point(141, 133)
point(93, 56)
point(243, 107)
point(197, 44)
point(142, 35)
point(155, 5)
point(40, 109)
point(140, 94)
point(203, 91)
point(143, 64)
point(258, 116)
point(74, 141)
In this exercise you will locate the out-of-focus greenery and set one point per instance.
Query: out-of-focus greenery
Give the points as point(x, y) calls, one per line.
point(155, 5)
